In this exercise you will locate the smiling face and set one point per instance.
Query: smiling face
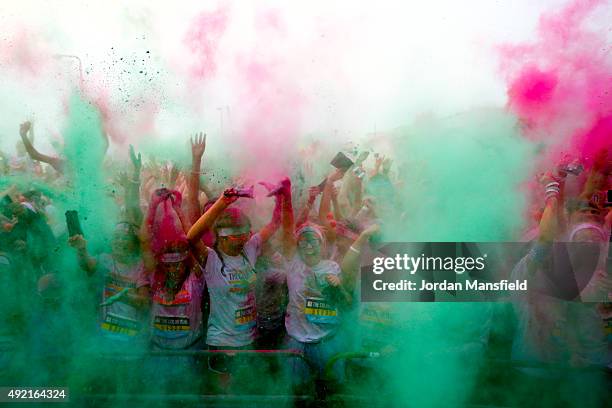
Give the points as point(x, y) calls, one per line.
point(309, 248)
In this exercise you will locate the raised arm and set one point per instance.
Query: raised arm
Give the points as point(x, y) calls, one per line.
point(282, 196)
point(207, 219)
point(270, 228)
point(54, 162)
point(352, 259)
point(549, 223)
point(598, 176)
point(86, 262)
point(313, 192)
point(132, 190)
point(198, 146)
point(338, 215)
point(326, 198)
point(288, 224)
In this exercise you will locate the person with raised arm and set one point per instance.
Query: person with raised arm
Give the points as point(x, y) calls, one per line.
point(229, 271)
point(316, 295)
point(198, 146)
point(55, 162)
point(124, 296)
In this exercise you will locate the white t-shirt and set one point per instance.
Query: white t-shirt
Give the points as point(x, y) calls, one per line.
point(311, 314)
point(232, 320)
point(120, 320)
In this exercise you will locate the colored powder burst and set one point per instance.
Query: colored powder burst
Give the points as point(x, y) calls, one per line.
point(266, 120)
point(560, 86)
point(202, 39)
point(26, 51)
point(270, 123)
point(84, 149)
point(461, 178)
point(460, 181)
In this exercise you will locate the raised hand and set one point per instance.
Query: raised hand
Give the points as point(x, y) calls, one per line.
point(230, 195)
point(362, 157)
point(122, 179)
point(198, 145)
point(379, 158)
point(313, 192)
point(77, 241)
point(268, 186)
point(371, 230)
point(24, 128)
point(336, 175)
point(136, 160)
point(286, 185)
point(9, 225)
point(333, 280)
point(176, 199)
point(386, 164)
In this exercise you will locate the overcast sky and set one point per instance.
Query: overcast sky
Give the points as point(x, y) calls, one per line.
point(359, 65)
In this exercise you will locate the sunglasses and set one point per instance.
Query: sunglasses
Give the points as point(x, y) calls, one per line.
point(235, 238)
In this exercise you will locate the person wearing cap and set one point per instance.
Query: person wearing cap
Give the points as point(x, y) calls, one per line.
point(229, 271)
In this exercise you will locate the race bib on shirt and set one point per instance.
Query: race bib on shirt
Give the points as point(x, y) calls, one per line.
point(319, 311)
point(171, 327)
point(120, 324)
point(244, 317)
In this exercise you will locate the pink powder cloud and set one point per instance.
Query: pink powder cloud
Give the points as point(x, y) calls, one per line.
point(202, 40)
point(561, 84)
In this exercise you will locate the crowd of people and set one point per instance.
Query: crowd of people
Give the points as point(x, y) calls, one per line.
point(187, 268)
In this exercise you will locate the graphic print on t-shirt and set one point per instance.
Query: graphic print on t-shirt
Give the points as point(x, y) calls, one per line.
point(245, 317)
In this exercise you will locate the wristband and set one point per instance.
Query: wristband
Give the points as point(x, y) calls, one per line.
point(553, 184)
point(352, 248)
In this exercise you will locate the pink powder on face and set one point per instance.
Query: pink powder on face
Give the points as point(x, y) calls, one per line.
point(560, 86)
